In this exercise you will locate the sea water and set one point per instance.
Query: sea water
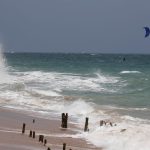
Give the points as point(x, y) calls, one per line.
point(114, 87)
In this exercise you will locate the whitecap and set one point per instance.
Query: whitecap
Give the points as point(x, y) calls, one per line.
point(127, 72)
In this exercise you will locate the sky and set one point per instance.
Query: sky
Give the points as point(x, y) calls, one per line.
point(95, 26)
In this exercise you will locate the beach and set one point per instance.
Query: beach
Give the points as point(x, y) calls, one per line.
point(11, 137)
point(74, 75)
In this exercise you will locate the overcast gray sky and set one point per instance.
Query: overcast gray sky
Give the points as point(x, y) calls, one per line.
point(104, 26)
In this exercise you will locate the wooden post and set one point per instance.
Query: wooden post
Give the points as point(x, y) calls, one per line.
point(45, 142)
point(23, 128)
point(66, 120)
point(62, 121)
point(33, 135)
point(101, 123)
point(48, 148)
point(64, 146)
point(30, 134)
point(41, 138)
point(86, 124)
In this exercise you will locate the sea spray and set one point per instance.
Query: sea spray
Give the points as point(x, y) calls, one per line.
point(125, 136)
point(4, 77)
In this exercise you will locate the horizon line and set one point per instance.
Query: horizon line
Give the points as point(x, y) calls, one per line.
point(101, 53)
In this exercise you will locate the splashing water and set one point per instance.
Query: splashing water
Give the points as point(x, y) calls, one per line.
point(4, 76)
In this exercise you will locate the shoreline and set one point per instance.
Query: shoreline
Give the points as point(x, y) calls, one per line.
point(11, 122)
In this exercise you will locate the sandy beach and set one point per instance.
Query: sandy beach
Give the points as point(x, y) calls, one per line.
point(11, 137)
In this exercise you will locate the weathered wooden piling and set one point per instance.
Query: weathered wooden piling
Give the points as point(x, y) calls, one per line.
point(64, 120)
point(33, 120)
point(41, 138)
point(33, 136)
point(23, 128)
point(45, 142)
point(101, 122)
point(86, 124)
point(30, 133)
point(111, 124)
point(64, 146)
point(48, 148)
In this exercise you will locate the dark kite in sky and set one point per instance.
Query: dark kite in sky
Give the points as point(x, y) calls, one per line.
point(147, 31)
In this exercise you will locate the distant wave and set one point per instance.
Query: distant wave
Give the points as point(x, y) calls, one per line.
point(124, 108)
point(127, 72)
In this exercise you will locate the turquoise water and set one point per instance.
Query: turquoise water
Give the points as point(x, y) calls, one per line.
point(99, 86)
point(124, 83)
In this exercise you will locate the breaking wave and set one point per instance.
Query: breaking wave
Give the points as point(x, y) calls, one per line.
point(127, 72)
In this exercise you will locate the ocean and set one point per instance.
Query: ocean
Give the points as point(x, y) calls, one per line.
point(114, 87)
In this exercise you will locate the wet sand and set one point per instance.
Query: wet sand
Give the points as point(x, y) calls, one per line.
point(11, 138)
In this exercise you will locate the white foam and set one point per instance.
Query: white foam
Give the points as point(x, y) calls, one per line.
point(106, 79)
point(78, 107)
point(127, 72)
point(125, 136)
point(43, 91)
point(74, 82)
point(49, 85)
point(46, 93)
point(124, 108)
